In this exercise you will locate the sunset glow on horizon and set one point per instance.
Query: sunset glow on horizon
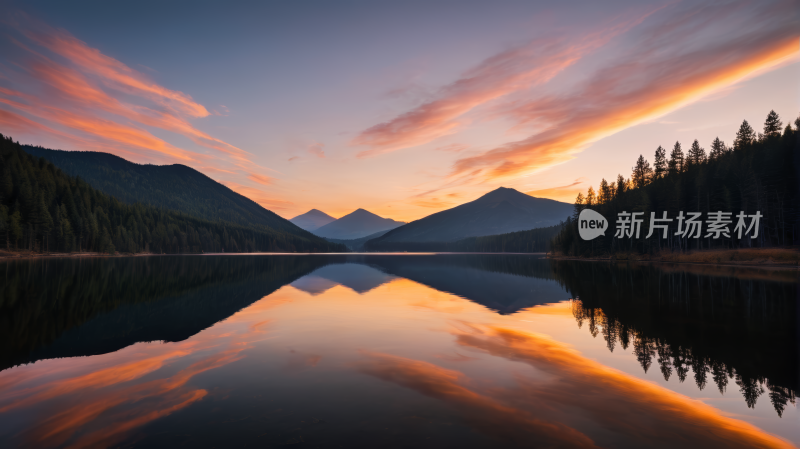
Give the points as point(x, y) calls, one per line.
point(401, 110)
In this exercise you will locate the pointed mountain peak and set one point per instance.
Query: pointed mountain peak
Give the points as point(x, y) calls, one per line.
point(362, 213)
point(502, 193)
point(317, 212)
point(312, 219)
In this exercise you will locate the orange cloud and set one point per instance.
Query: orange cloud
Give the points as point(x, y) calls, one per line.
point(666, 71)
point(98, 103)
point(261, 179)
point(512, 70)
point(113, 72)
point(73, 88)
point(640, 410)
point(565, 193)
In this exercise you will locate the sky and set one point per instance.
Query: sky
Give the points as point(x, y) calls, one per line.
point(404, 108)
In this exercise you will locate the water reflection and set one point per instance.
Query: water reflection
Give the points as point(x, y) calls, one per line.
point(739, 327)
point(391, 351)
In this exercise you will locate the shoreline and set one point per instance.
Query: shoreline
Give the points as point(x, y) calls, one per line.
point(11, 255)
point(763, 258)
point(758, 258)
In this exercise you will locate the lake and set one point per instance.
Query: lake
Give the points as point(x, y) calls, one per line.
point(395, 351)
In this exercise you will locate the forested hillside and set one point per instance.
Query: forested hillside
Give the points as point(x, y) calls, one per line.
point(174, 187)
point(758, 175)
point(44, 209)
point(531, 241)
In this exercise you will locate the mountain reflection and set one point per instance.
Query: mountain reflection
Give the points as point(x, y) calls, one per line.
point(731, 328)
point(51, 308)
point(737, 330)
point(389, 351)
point(67, 307)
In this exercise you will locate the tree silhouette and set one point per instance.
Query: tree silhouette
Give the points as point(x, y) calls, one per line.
point(660, 163)
point(717, 149)
point(696, 154)
point(675, 164)
point(744, 137)
point(642, 173)
point(758, 176)
point(773, 125)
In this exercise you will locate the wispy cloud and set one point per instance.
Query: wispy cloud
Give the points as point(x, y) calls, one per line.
point(261, 179)
point(63, 88)
point(316, 149)
point(676, 61)
point(562, 193)
point(512, 70)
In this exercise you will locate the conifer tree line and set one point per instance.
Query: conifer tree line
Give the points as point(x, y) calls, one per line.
point(757, 173)
point(43, 209)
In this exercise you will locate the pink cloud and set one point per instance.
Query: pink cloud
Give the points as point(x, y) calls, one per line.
point(512, 70)
point(316, 149)
point(668, 69)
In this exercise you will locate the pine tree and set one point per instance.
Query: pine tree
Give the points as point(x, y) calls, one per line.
point(590, 197)
point(578, 205)
point(797, 123)
point(604, 192)
point(773, 125)
point(621, 186)
point(660, 163)
point(641, 172)
point(696, 154)
point(717, 149)
point(675, 164)
point(744, 137)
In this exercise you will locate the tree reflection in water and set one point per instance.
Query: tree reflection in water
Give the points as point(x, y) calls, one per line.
point(737, 325)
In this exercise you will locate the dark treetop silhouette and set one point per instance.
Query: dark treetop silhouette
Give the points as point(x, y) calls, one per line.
point(760, 173)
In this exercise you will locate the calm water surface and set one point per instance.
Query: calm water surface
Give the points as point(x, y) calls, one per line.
point(395, 351)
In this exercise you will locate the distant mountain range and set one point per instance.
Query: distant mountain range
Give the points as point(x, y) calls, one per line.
point(312, 220)
point(175, 187)
point(500, 211)
point(355, 225)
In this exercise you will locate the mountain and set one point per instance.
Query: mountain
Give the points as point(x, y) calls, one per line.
point(354, 225)
point(44, 209)
point(168, 298)
point(175, 187)
point(500, 211)
point(312, 219)
point(538, 240)
point(358, 245)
